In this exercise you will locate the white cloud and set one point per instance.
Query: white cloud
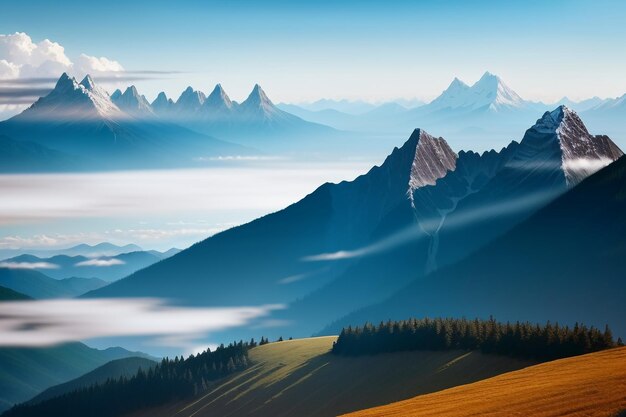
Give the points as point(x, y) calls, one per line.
point(21, 57)
point(86, 64)
point(33, 59)
point(101, 262)
point(28, 265)
point(17, 242)
point(50, 322)
point(587, 165)
point(8, 70)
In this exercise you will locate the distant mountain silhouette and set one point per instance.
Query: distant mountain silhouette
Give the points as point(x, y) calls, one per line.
point(37, 285)
point(107, 268)
point(26, 372)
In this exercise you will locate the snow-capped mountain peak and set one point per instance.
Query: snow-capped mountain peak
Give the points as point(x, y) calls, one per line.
point(132, 102)
point(190, 100)
point(73, 101)
point(489, 92)
point(218, 99)
point(560, 140)
point(258, 98)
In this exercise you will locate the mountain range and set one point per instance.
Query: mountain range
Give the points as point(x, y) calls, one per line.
point(40, 286)
point(26, 372)
point(348, 245)
point(483, 114)
point(83, 249)
point(566, 261)
point(79, 126)
point(59, 273)
point(107, 268)
point(255, 122)
point(80, 121)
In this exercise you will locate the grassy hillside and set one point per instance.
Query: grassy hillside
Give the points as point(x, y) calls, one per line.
point(301, 378)
point(112, 370)
point(25, 372)
point(587, 385)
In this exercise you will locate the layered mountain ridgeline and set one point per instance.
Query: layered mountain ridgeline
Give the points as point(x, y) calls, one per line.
point(83, 249)
point(38, 285)
point(589, 385)
point(610, 114)
point(482, 113)
point(106, 268)
point(26, 156)
point(352, 244)
point(80, 120)
point(301, 377)
point(565, 261)
point(7, 294)
point(167, 381)
point(114, 370)
point(26, 372)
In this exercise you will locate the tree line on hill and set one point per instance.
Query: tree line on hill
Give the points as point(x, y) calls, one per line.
point(520, 339)
point(169, 380)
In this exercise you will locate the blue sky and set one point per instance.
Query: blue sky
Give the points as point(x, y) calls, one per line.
point(302, 51)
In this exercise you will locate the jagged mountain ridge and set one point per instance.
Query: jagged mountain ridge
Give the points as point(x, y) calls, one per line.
point(366, 237)
point(278, 260)
point(245, 122)
point(573, 275)
point(81, 120)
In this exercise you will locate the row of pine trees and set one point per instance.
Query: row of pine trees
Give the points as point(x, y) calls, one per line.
point(520, 339)
point(169, 380)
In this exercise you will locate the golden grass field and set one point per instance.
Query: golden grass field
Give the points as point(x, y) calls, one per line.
point(588, 385)
point(301, 378)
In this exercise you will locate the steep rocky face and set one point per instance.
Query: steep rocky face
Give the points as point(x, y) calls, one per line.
point(582, 153)
point(433, 159)
point(559, 143)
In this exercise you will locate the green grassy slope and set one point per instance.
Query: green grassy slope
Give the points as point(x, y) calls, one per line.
point(301, 378)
